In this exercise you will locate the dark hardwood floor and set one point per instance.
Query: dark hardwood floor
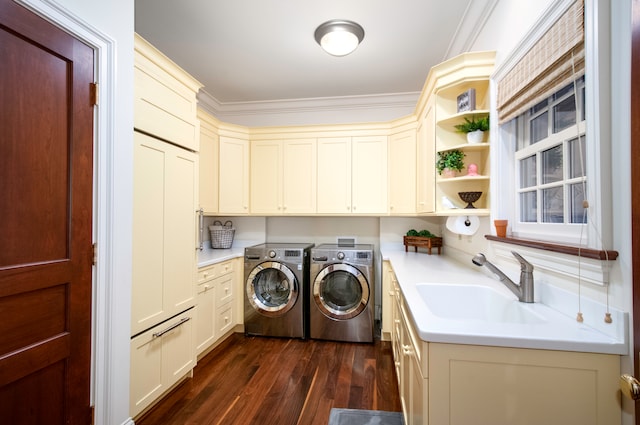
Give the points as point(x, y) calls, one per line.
point(279, 381)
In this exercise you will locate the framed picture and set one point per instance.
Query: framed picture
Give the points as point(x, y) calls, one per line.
point(467, 101)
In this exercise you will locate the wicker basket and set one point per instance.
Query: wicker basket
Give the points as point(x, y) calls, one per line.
point(222, 234)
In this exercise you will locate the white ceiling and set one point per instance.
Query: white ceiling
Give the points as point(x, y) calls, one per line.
point(264, 50)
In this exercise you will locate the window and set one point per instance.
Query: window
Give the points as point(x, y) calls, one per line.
point(550, 163)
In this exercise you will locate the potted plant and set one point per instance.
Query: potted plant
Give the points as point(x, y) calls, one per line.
point(474, 128)
point(449, 162)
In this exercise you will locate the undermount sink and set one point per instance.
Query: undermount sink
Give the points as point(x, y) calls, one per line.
point(475, 302)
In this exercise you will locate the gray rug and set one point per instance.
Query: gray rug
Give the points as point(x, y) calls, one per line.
point(364, 417)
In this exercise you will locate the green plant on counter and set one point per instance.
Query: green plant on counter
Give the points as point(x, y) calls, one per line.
point(422, 233)
point(450, 159)
point(473, 124)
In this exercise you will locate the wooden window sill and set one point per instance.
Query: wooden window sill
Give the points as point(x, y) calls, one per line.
point(563, 249)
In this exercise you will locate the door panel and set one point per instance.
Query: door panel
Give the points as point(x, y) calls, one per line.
point(46, 180)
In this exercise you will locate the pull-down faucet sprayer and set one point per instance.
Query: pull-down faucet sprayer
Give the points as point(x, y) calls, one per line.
point(524, 290)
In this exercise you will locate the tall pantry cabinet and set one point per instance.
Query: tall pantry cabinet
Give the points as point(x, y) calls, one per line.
point(165, 198)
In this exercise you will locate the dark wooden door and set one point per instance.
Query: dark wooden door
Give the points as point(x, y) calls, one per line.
point(635, 187)
point(46, 168)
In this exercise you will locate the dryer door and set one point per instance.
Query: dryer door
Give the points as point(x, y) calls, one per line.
point(272, 288)
point(340, 291)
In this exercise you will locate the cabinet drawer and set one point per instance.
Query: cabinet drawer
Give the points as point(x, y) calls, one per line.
point(206, 274)
point(225, 319)
point(224, 289)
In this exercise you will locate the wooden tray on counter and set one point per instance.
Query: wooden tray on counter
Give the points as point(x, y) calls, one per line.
point(422, 242)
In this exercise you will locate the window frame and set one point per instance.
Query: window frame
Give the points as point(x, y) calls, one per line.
point(569, 232)
point(504, 182)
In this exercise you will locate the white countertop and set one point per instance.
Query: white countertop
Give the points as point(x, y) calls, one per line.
point(209, 256)
point(557, 332)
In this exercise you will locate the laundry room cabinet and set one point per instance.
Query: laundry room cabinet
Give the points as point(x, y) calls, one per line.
point(233, 198)
point(465, 73)
point(216, 312)
point(283, 176)
point(352, 175)
point(165, 200)
point(208, 164)
point(460, 384)
point(160, 357)
point(402, 173)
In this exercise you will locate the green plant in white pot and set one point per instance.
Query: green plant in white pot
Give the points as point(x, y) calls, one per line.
point(474, 128)
point(449, 162)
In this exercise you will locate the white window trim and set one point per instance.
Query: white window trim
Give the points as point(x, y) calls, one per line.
point(598, 124)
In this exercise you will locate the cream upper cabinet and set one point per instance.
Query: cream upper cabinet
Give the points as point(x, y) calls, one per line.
point(283, 176)
point(164, 237)
point(369, 175)
point(299, 176)
point(209, 149)
point(352, 175)
point(466, 73)
point(402, 173)
point(164, 97)
point(425, 154)
point(334, 175)
point(234, 176)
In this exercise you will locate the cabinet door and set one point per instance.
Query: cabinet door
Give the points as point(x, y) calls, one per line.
point(299, 176)
point(387, 300)
point(334, 175)
point(426, 160)
point(206, 316)
point(164, 237)
point(266, 177)
point(402, 173)
point(208, 168)
point(159, 358)
point(234, 176)
point(369, 175)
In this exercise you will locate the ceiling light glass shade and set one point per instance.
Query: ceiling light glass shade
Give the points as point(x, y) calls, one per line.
point(339, 37)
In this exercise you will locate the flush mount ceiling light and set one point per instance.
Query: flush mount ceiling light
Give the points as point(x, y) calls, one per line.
point(339, 37)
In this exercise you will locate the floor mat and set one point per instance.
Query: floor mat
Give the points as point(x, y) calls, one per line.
point(364, 417)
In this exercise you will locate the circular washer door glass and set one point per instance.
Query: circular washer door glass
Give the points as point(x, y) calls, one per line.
point(272, 288)
point(340, 291)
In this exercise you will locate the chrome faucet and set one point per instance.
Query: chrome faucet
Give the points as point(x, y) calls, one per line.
point(524, 290)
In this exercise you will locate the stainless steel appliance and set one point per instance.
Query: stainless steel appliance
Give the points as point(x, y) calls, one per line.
point(341, 306)
point(276, 281)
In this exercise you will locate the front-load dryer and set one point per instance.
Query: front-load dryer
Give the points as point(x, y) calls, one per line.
point(341, 306)
point(276, 280)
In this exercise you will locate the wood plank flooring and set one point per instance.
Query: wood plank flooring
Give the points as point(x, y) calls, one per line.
point(280, 381)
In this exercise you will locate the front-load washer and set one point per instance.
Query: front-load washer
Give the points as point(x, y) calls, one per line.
point(276, 279)
point(341, 306)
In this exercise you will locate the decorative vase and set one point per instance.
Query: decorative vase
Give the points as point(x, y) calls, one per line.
point(474, 137)
point(501, 227)
point(448, 173)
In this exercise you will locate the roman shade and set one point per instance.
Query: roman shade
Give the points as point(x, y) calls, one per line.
point(556, 59)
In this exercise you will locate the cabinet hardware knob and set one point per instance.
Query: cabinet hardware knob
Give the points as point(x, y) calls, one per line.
point(630, 386)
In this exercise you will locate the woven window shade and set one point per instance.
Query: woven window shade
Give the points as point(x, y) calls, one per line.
point(555, 60)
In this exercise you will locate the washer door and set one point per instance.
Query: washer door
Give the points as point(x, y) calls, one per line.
point(272, 288)
point(340, 291)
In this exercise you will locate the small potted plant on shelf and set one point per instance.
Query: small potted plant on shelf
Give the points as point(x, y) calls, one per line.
point(449, 162)
point(474, 128)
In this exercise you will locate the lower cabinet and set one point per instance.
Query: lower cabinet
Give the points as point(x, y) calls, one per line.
point(216, 312)
point(459, 384)
point(160, 357)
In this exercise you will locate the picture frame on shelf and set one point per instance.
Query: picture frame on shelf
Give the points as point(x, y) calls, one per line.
point(467, 101)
